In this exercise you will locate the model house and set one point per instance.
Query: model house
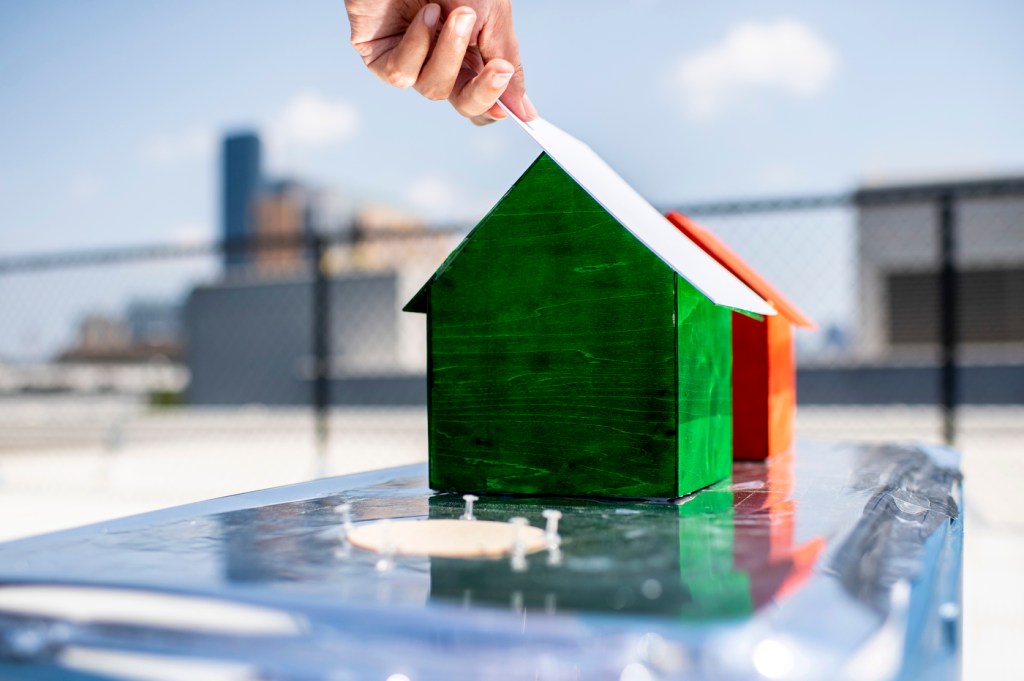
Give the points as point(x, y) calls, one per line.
point(578, 343)
point(763, 370)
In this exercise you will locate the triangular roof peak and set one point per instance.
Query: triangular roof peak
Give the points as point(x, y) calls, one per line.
point(644, 221)
point(728, 258)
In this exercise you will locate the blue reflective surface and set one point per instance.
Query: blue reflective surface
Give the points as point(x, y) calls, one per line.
point(838, 558)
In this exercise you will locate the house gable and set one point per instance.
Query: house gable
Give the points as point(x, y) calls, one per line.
point(635, 214)
point(553, 352)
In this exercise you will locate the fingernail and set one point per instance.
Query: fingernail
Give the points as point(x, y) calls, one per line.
point(431, 14)
point(464, 24)
point(500, 80)
point(531, 111)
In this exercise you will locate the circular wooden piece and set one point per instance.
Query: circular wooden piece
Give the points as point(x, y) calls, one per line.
point(446, 538)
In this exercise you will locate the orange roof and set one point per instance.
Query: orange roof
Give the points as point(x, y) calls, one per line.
point(731, 261)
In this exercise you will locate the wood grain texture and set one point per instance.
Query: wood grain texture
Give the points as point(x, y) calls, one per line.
point(704, 357)
point(552, 345)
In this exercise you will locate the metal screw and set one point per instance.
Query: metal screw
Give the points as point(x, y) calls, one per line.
point(468, 513)
point(519, 544)
point(551, 531)
point(519, 522)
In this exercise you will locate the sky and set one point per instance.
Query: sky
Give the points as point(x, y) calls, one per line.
point(112, 109)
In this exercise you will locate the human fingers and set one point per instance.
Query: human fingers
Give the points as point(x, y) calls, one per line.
point(498, 41)
point(494, 114)
point(479, 94)
point(470, 70)
point(402, 65)
point(438, 76)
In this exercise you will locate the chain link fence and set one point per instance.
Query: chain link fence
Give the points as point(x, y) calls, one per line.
point(254, 363)
point(917, 293)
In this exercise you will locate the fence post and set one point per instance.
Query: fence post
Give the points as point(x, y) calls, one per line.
point(948, 314)
point(321, 350)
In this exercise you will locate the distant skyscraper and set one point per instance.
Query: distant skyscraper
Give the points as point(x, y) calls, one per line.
point(281, 217)
point(240, 183)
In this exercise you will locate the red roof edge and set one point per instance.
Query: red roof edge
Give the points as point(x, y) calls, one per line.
point(731, 261)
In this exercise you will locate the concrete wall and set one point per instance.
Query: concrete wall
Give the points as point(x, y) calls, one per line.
point(251, 342)
point(995, 384)
point(904, 238)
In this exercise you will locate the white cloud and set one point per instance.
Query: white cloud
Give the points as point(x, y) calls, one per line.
point(190, 233)
point(190, 144)
point(432, 195)
point(311, 120)
point(84, 187)
point(438, 199)
point(784, 56)
point(307, 121)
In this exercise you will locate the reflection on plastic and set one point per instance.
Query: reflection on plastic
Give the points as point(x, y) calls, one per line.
point(722, 554)
point(840, 562)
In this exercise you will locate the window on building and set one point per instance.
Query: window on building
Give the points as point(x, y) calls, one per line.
point(990, 303)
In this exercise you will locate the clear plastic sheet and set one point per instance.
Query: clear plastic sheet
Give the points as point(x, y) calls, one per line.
point(839, 561)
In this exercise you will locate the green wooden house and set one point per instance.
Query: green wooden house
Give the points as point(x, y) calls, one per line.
point(578, 343)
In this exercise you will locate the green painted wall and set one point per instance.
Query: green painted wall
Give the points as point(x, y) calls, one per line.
point(552, 351)
point(705, 389)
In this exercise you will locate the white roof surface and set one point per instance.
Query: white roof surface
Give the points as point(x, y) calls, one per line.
point(641, 218)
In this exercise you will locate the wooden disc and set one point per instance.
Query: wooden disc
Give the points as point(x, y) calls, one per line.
point(446, 538)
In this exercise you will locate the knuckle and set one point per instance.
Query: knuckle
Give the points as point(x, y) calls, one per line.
point(467, 111)
point(434, 93)
point(362, 48)
point(398, 78)
point(479, 102)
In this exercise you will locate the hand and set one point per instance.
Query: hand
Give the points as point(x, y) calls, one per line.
point(464, 51)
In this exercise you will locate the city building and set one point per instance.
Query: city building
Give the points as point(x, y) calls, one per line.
point(376, 255)
point(101, 335)
point(241, 178)
point(154, 322)
point(895, 349)
point(282, 215)
point(146, 331)
point(250, 341)
point(899, 257)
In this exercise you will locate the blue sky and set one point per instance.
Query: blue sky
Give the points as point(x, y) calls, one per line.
point(111, 109)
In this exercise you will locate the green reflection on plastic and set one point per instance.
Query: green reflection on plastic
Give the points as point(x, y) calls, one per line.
point(639, 558)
